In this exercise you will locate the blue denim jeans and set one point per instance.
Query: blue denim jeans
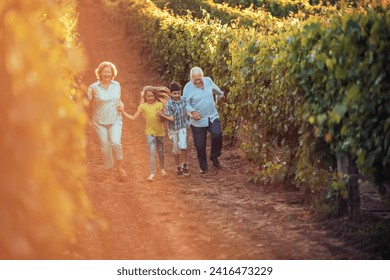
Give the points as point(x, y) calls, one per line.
point(109, 136)
point(155, 144)
point(200, 141)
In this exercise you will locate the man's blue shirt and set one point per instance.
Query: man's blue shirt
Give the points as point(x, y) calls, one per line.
point(202, 101)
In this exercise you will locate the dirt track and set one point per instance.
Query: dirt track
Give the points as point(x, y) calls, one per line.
point(219, 216)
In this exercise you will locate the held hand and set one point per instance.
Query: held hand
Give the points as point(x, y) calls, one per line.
point(159, 113)
point(196, 116)
point(121, 106)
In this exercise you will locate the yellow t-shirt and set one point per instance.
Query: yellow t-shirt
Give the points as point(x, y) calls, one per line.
point(153, 126)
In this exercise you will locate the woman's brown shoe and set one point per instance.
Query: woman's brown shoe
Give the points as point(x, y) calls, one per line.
point(122, 174)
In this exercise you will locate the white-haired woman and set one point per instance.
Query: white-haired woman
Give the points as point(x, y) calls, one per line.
point(105, 97)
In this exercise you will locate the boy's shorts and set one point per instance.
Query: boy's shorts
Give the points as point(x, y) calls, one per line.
point(179, 139)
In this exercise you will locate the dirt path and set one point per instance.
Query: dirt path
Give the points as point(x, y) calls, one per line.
point(219, 216)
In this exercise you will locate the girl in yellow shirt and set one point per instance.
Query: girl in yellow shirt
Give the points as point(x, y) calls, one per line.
point(154, 99)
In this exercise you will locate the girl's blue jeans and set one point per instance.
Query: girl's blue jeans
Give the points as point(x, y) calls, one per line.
point(155, 143)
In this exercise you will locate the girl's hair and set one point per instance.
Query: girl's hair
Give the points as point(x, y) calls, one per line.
point(99, 70)
point(160, 93)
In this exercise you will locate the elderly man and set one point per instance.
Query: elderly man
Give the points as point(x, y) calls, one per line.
point(199, 95)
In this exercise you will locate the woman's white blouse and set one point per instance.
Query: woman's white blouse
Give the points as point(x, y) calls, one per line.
point(104, 104)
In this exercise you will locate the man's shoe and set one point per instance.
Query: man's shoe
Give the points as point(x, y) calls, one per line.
point(203, 172)
point(185, 170)
point(216, 162)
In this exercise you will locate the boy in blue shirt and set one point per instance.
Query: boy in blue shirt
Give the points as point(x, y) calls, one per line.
point(176, 115)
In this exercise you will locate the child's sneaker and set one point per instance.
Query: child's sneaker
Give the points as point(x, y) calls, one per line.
point(151, 177)
point(163, 172)
point(179, 171)
point(185, 170)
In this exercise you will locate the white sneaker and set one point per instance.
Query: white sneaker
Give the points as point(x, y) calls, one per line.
point(151, 177)
point(163, 172)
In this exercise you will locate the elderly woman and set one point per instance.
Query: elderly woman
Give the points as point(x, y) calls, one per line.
point(105, 97)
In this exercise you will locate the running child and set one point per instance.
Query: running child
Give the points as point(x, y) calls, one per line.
point(176, 114)
point(154, 99)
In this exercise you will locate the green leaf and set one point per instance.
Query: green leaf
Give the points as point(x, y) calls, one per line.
point(330, 63)
point(352, 93)
point(386, 125)
point(320, 61)
point(340, 73)
point(321, 118)
point(338, 112)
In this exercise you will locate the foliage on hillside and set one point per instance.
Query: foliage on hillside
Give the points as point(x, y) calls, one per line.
point(220, 12)
point(280, 8)
point(42, 164)
point(344, 69)
point(299, 90)
point(286, 8)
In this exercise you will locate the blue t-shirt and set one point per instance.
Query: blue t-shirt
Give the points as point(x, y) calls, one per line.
point(202, 101)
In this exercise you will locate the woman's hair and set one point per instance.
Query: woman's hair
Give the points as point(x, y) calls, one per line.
point(174, 86)
point(99, 70)
point(160, 93)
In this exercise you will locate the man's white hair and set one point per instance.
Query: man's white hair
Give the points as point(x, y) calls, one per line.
point(195, 71)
